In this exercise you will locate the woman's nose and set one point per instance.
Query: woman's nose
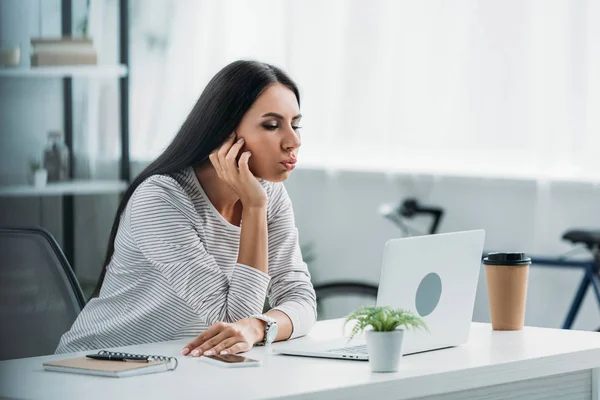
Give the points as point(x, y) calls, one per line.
point(292, 140)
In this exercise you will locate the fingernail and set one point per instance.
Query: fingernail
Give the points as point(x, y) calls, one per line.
point(195, 353)
point(232, 135)
point(224, 352)
point(185, 351)
point(208, 353)
point(240, 140)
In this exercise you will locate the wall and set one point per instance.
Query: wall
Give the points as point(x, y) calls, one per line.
point(337, 213)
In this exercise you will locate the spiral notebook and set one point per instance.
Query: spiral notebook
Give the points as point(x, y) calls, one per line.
point(115, 369)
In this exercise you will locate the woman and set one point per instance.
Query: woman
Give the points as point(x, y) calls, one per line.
point(207, 230)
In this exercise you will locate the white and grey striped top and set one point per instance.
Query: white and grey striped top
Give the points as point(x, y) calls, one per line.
point(174, 272)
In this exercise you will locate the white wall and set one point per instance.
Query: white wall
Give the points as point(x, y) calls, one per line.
point(336, 213)
point(339, 215)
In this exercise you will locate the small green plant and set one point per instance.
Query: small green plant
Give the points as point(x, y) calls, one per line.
point(84, 24)
point(384, 319)
point(35, 164)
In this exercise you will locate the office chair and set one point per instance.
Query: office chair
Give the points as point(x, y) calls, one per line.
point(39, 293)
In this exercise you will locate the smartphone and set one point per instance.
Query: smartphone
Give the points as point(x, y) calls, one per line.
point(231, 361)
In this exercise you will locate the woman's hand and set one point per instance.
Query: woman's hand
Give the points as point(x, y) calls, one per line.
point(239, 178)
point(226, 338)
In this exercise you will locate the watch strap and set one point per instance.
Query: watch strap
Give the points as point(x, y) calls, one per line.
point(270, 322)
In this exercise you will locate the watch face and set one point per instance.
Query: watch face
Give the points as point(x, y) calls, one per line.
point(272, 333)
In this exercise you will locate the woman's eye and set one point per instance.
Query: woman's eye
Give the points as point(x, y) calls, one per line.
point(274, 127)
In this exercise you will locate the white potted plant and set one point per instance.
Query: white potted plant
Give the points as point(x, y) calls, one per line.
point(40, 175)
point(384, 330)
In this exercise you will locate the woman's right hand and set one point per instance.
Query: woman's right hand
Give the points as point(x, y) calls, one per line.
point(237, 174)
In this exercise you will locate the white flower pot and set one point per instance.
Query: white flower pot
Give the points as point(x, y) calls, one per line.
point(385, 350)
point(40, 177)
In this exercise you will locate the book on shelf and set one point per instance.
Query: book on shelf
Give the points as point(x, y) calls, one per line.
point(57, 59)
point(63, 51)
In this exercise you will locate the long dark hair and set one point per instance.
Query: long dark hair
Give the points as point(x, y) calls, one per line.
point(216, 114)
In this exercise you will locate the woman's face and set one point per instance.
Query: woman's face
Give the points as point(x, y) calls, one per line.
point(270, 131)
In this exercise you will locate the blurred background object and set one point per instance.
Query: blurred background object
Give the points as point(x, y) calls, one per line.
point(10, 54)
point(39, 294)
point(485, 110)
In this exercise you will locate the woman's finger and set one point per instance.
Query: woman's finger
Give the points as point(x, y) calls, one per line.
point(222, 154)
point(232, 155)
point(203, 337)
point(243, 163)
point(239, 347)
point(214, 159)
point(224, 149)
point(225, 344)
point(210, 343)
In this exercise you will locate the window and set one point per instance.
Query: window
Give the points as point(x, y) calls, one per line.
point(507, 88)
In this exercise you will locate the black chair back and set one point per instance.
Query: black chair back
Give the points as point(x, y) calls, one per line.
point(40, 297)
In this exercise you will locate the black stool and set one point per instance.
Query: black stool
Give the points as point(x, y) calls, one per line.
point(591, 239)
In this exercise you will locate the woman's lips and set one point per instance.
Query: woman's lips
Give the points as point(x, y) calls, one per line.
point(289, 165)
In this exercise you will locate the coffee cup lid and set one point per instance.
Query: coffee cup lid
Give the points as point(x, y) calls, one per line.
point(507, 259)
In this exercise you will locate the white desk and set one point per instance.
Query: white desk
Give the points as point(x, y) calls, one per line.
point(531, 364)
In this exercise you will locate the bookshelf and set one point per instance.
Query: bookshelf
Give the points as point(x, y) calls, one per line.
point(76, 187)
point(72, 187)
point(74, 71)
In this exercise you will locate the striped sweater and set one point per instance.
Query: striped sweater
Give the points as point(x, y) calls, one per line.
point(174, 271)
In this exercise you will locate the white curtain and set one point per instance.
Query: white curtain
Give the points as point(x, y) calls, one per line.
point(488, 88)
point(96, 108)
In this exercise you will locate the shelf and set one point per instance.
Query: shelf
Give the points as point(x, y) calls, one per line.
point(75, 187)
point(68, 71)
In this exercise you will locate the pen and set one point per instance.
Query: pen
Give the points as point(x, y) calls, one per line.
point(110, 357)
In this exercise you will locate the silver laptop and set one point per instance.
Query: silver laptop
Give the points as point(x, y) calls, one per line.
point(435, 276)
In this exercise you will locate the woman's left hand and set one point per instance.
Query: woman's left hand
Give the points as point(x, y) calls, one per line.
point(226, 338)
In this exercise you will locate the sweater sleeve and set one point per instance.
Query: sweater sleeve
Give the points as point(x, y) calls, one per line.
point(162, 225)
point(290, 290)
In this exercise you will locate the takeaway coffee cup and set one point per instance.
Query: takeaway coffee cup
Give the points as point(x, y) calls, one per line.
point(507, 275)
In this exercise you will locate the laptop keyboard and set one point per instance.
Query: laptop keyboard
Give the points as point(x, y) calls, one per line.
point(354, 350)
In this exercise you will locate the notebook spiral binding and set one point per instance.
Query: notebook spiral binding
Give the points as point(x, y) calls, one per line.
point(172, 360)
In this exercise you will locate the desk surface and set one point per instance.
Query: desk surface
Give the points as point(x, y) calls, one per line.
point(490, 358)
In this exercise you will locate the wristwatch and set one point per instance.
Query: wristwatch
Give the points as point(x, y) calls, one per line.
point(270, 329)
